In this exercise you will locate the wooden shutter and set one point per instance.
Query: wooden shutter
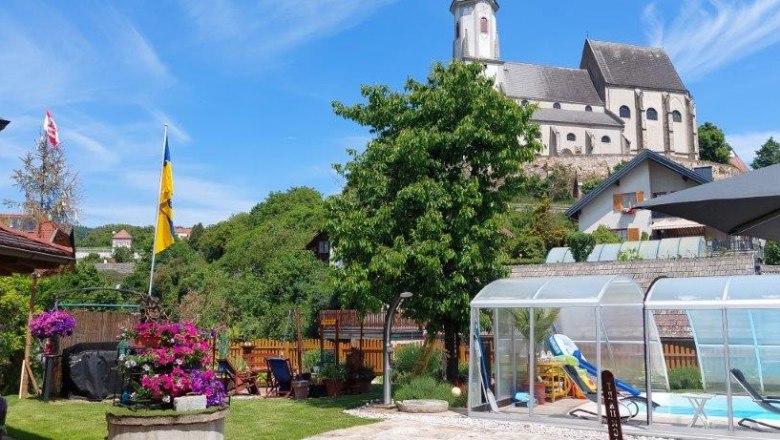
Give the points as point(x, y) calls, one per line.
point(617, 202)
point(640, 197)
point(633, 234)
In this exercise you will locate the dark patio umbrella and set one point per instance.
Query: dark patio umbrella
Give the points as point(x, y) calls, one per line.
point(747, 204)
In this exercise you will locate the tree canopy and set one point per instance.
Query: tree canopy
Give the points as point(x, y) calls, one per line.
point(424, 203)
point(712, 144)
point(767, 154)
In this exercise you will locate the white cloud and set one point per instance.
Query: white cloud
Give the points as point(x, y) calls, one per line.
point(257, 32)
point(709, 34)
point(746, 144)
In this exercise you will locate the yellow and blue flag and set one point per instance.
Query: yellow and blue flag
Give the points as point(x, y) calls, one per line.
point(165, 234)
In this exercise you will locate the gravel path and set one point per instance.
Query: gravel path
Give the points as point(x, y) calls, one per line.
point(452, 426)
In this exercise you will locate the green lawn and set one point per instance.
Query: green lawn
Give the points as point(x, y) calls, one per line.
point(249, 419)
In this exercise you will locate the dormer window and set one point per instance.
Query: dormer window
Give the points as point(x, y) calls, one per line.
point(483, 25)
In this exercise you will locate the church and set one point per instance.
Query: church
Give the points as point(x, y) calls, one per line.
point(623, 99)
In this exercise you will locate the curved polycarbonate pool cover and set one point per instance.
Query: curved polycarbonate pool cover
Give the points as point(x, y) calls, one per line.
point(740, 313)
point(667, 248)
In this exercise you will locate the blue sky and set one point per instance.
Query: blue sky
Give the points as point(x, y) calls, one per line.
point(246, 86)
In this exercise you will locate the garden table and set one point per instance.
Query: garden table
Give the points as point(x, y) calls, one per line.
point(698, 401)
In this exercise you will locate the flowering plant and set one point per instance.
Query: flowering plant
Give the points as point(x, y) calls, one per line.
point(171, 360)
point(52, 323)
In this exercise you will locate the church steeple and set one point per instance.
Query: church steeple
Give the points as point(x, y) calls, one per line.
point(476, 29)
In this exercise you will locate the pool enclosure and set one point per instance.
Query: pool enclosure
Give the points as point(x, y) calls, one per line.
point(735, 322)
point(547, 333)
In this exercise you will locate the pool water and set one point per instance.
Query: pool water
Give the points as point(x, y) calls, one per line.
point(715, 407)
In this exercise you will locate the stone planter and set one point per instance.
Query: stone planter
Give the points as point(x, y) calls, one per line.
point(209, 426)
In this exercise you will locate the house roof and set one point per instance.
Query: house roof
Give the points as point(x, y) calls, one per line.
point(22, 253)
point(122, 235)
point(633, 66)
point(549, 84)
point(635, 162)
point(571, 117)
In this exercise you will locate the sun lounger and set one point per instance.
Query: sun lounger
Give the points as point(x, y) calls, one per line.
point(767, 403)
point(629, 405)
point(281, 377)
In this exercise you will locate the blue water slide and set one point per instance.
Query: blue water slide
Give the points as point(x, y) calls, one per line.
point(591, 369)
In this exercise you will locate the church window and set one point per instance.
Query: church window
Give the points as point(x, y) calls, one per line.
point(676, 116)
point(483, 25)
point(557, 105)
point(605, 140)
point(625, 112)
point(652, 115)
point(588, 108)
point(457, 30)
point(571, 137)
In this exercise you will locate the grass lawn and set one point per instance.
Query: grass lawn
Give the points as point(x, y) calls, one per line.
point(30, 419)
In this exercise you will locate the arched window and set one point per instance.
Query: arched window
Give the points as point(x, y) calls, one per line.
point(524, 102)
point(676, 116)
point(625, 112)
point(557, 105)
point(652, 115)
point(457, 30)
point(588, 108)
point(605, 140)
point(483, 25)
point(571, 137)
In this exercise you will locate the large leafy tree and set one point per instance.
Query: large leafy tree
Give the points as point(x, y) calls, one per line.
point(424, 203)
point(768, 154)
point(712, 144)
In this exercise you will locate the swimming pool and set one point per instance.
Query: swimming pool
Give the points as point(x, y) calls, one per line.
point(716, 407)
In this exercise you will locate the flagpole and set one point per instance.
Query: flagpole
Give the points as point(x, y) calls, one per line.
point(157, 212)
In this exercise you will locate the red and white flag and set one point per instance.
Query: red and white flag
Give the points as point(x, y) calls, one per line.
point(51, 130)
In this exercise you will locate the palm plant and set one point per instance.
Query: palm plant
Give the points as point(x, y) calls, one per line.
point(543, 322)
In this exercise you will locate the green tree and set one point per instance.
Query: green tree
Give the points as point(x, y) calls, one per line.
point(712, 144)
point(123, 255)
point(768, 154)
point(581, 245)
point(423, 205)
point(195, 235)
point(604, 235)
point(772, 253)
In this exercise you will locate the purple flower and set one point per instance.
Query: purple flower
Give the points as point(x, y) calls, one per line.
point(52, 323)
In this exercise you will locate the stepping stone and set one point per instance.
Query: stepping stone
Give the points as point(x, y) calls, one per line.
point(422, 406)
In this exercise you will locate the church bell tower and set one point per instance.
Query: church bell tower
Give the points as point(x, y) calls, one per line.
point(476, 30)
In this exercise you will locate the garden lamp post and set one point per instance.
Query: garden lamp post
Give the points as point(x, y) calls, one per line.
point(388, 349)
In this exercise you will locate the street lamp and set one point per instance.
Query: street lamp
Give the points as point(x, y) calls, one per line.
point(388, 349)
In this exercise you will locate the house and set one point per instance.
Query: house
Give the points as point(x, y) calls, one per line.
point(121, 239)
point(182, 233)
point(648, 175)
point(621, 100)
point(25, 251)
point(320, 245)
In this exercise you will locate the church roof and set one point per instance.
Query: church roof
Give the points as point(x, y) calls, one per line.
point(545, 83)
point(568, 117)
point(631, 66)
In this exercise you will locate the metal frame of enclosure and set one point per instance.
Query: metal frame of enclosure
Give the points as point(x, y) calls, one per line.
point(599, 313)
point(735, 323)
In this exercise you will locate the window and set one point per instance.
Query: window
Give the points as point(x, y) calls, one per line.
point(524, 102)
point(323, 247)
point(625, 112)
point(652, 115)
point(676, 116)
point(605, 140)
point(557, 105)
point(457, 30)
point(571, 137)
point(628, 234)
point(588, 108)
point(627, 201)
point(483, 25)
point(622, 233)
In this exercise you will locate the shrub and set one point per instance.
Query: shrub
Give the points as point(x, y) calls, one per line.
point(312, 358)
point(526, 246)
point(424, 387)
point(685, 378)
point(604, 235)
point(590, 185)
point(405, 357)
point(772, 253)
point(581, 245)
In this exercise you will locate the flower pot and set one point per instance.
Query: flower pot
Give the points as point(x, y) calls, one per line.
point(333, 387)
point(300, 389)
point(147, 341)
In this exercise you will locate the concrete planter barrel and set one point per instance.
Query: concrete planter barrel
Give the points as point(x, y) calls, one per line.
point(210, 426)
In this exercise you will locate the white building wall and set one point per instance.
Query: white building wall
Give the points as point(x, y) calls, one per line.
point(600, 210)
point(470, 41)
point(579, 146)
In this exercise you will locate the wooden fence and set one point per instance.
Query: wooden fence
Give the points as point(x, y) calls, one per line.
point(256, 352)
point(678, 354)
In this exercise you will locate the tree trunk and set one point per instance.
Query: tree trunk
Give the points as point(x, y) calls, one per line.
point(451, 338)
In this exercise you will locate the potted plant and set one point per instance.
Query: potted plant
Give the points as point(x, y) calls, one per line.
point(332, 377)
point(50, 324)
point(543, 322)
point(359, 380)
